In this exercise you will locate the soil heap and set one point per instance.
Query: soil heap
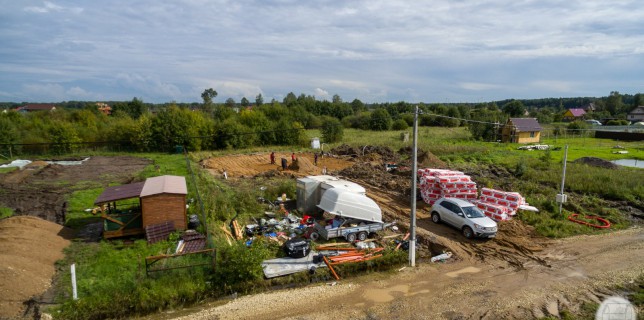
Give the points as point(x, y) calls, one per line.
point(29, 247)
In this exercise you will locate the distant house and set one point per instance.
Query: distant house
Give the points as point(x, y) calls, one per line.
point(36, 107)
point(104, 108)
point(636, 115)
point(521, 130)
point(589, 107)
point(574, 114)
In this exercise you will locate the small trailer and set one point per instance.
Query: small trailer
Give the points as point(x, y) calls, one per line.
point(355, 216)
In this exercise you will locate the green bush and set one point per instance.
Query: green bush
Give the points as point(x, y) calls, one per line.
point(380, 120)
point(399, 124)
point(332, 130)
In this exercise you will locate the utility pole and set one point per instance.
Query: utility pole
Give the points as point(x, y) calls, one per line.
point(561, 197)
point(414, 169)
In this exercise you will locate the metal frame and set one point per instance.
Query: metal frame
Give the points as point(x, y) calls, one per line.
point(151, 260)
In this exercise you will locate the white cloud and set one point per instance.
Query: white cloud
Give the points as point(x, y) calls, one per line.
point(48, 7)
point(477, 86)
point(39, 91)
point(45, 8)
point(554, 85)
point(321, 94)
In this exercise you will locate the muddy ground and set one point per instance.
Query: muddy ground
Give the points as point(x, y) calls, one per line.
point(518, 275)
point(40, 189)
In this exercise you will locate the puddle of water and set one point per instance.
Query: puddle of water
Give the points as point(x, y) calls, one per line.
point(455, 274)
point(629, 163)
point(384, 295)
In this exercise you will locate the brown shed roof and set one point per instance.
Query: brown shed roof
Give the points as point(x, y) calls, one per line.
point(125, 191)
point(151, 186)
point(526, 124)
point(164, 184)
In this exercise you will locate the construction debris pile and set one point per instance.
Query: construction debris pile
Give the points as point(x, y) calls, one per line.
point(441, 183)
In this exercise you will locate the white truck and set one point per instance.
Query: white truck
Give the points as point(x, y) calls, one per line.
point(356, 216)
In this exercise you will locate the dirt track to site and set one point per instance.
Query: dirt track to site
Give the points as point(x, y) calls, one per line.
point(518, 275)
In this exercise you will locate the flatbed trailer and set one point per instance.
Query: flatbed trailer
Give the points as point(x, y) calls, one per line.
point(348, 230)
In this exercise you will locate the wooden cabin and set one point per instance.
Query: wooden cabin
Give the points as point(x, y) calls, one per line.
point(521, 130)
point(128, 209)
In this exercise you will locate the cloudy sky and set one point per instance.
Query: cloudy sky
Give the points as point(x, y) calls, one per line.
point(376, 51)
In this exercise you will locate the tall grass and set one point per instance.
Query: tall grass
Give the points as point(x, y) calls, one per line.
point(5, 212)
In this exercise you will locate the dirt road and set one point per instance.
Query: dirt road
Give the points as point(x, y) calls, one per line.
point(574, 270)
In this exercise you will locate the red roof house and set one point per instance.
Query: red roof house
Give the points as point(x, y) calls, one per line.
point(574, 114)
point(36, 107)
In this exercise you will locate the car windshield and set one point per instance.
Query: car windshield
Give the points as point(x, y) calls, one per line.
point(473, 212)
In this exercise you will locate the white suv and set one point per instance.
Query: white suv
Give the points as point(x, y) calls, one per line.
point(465, 216)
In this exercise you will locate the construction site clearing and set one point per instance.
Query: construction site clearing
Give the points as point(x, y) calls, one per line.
point(384, 176)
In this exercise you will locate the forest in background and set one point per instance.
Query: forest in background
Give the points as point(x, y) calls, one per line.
point(209, 126)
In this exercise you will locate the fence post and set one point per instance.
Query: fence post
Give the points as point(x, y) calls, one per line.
point(74, 292)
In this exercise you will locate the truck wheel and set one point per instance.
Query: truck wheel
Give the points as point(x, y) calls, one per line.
point(468, 233)
point(351, 237)
point(362, 236)
point(314, 236)
point(435, 217)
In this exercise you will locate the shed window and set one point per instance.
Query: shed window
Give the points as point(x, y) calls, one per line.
point(531, 134)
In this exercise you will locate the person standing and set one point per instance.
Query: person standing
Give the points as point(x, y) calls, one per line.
point(273, 157)
point(293, 157)
point(315, 158)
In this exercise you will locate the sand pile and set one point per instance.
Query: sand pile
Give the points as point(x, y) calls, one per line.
point(29, 247)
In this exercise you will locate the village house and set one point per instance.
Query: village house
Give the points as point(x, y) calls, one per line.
point(521, 130)
point(574, 114)
point(104, 108)
point(636, 115)
point(36, 107)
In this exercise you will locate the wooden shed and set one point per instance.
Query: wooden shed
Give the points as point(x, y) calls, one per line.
point(158, 200)
point(521, 130)
point(163, 199)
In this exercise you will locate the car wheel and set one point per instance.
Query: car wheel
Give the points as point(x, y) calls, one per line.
point(362, 236)
point(435, 217)
point(351, 237)
point(468, 233)
point(314, 236)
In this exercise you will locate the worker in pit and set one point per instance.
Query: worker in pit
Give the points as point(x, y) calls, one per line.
point(272, 157)
point(315, 158)
point(293, 158)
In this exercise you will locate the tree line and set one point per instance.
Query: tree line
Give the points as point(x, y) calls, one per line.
point(229, 125)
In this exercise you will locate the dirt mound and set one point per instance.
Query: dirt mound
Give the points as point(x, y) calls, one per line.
point(376, 176)
point(29, 247)
point(426, 159)
point(596, 162)
point(384, 152)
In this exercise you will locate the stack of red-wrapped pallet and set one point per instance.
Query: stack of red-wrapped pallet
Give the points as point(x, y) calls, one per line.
point(438, 183)
point(499, 205)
